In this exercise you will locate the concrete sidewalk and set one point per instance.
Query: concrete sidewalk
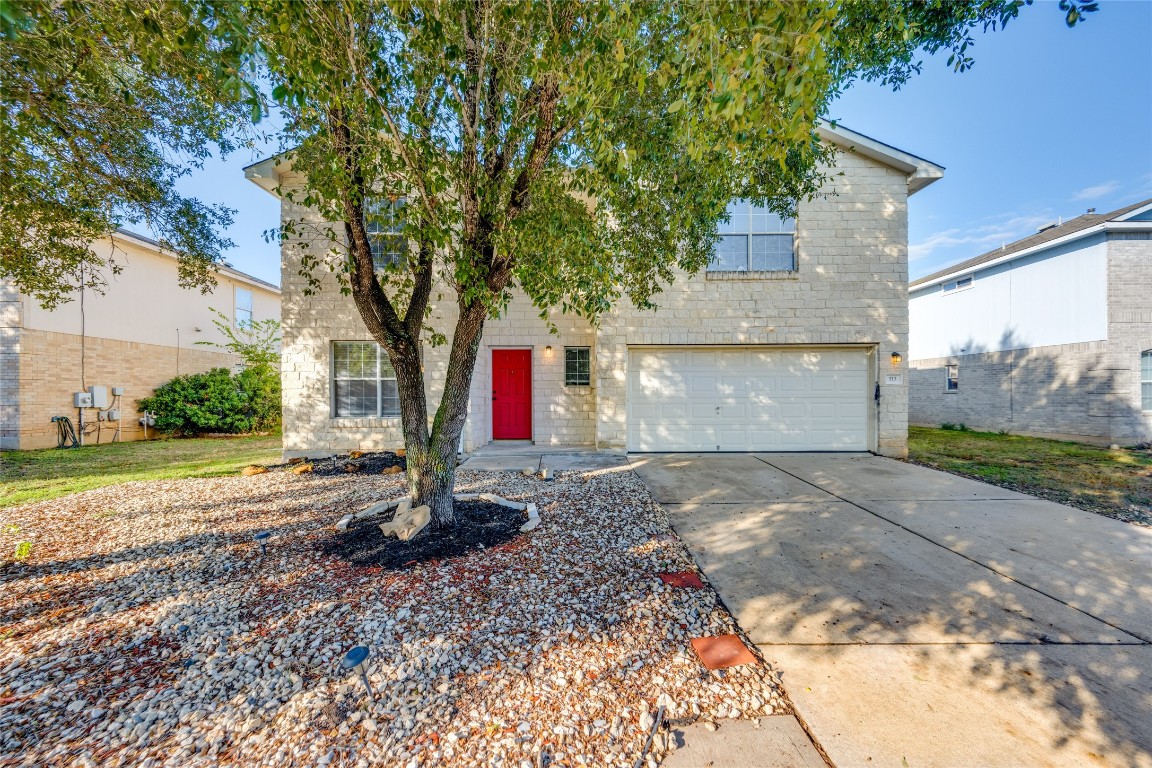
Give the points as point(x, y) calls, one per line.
point(922, 618)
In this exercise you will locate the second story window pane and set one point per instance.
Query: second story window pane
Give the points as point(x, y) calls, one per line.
point(754, 239)
point(384, 220)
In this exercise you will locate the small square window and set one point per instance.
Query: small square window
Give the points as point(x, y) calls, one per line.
point(577, 366)
point(958, 285)
point(951, 378)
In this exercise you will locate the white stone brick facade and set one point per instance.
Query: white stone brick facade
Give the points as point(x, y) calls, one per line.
point(850, 288)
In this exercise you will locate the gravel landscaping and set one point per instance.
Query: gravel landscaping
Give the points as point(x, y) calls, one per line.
point(145, 628)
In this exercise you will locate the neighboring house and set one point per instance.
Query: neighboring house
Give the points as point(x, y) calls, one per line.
point(1050, 335)
point(782, 345)
point(139, 334)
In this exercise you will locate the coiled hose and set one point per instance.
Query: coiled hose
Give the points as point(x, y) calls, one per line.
point(65, 433)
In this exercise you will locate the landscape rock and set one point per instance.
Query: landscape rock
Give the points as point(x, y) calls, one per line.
point(301, 469)
point(253, 469)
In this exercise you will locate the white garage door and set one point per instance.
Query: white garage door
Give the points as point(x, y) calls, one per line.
point(754, 399)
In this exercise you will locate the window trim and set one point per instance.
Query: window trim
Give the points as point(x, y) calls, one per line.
point(237, 308)
point(380, 361)
point(951, 378)
point(1145, 404)
point(568, 382)
point(748, 234)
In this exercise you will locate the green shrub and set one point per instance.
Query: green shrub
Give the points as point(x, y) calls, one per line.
point(201, 402)
point(261, 387)
point(954, 427)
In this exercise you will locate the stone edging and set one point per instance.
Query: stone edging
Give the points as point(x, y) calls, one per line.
point(384, 506)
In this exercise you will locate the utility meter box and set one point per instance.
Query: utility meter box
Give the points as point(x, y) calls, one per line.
point(114, 414)
point(117, 391)
point(99, 396)
point(82, 399)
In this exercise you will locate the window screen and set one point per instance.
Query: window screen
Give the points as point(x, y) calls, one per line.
point(951, 378)
point(363, 382)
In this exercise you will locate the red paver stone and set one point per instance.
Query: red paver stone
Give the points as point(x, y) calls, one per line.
point(722, 652)
point(683, 579)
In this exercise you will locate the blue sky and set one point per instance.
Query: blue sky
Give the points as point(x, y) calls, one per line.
point(1050, 122)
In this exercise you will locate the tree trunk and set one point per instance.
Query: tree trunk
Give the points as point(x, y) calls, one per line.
point(431, 455)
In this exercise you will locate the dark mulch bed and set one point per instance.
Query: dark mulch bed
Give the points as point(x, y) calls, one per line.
point(479, 524)
point(370, 463)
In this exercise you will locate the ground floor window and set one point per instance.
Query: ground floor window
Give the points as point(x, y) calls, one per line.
point(1146, 380)
point(951, 377)
point(363, 382)
point(577, 366)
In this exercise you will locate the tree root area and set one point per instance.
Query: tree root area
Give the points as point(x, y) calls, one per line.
point(479, 525)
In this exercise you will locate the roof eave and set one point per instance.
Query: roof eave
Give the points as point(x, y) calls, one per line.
point(920, 172)
point(266, 173)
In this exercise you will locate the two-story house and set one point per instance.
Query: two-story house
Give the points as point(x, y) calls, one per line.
point(141, 332)
point(792, 340)
point(1050, 335)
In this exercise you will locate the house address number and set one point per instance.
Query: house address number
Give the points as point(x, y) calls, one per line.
point(894, 378)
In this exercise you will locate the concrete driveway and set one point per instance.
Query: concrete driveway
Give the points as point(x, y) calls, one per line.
point(923, 619)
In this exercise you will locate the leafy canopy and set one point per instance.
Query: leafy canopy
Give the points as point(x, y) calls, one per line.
point(106, 103)
point(581, 151)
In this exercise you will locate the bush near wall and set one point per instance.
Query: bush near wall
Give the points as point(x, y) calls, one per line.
point(217, 401)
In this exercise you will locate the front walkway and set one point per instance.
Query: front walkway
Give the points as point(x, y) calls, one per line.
point(511, 455)
point(919, 618)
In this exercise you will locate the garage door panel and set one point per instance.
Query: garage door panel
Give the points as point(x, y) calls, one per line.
point(748, 400)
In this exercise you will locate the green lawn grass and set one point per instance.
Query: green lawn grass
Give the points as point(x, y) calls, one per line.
point(27, 476)
point(1097, 479)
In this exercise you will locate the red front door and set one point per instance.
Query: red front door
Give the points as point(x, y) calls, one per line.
point(511, 394)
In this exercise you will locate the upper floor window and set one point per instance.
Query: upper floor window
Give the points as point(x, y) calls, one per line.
point(754, 239)
point(384, 220)
point(958, 285)
point(363, 382)
point(951, 378)
point(243, 307)
point(1146, 380)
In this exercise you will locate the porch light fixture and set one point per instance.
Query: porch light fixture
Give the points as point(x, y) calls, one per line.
point(896, 359)
point(548, 349)
point(355, 659)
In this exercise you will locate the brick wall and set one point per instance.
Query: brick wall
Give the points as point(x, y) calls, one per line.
point(49, 373)
point(850, 288)
point(1129, 330)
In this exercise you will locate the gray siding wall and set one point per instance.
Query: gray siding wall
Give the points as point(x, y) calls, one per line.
point(1089, 390)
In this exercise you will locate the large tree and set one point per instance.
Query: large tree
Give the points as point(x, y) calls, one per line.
point(105, 104)
point(581, 152)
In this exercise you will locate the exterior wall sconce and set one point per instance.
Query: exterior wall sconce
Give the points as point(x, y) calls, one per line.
point(548, 350)
point(897, 358)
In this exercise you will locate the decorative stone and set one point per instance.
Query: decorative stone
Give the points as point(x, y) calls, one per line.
point(355, 454)
point(722, 652)
point(401, 452)
point(342, 523)
point(296, 460)
point(253, 469)
point(530, 525)
point(352, 467)
point(533, 514)
point(301, 469)
point(528, 471)
point(545, 474)
point(682, 579)
point(393, 470)
point(407, 522)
